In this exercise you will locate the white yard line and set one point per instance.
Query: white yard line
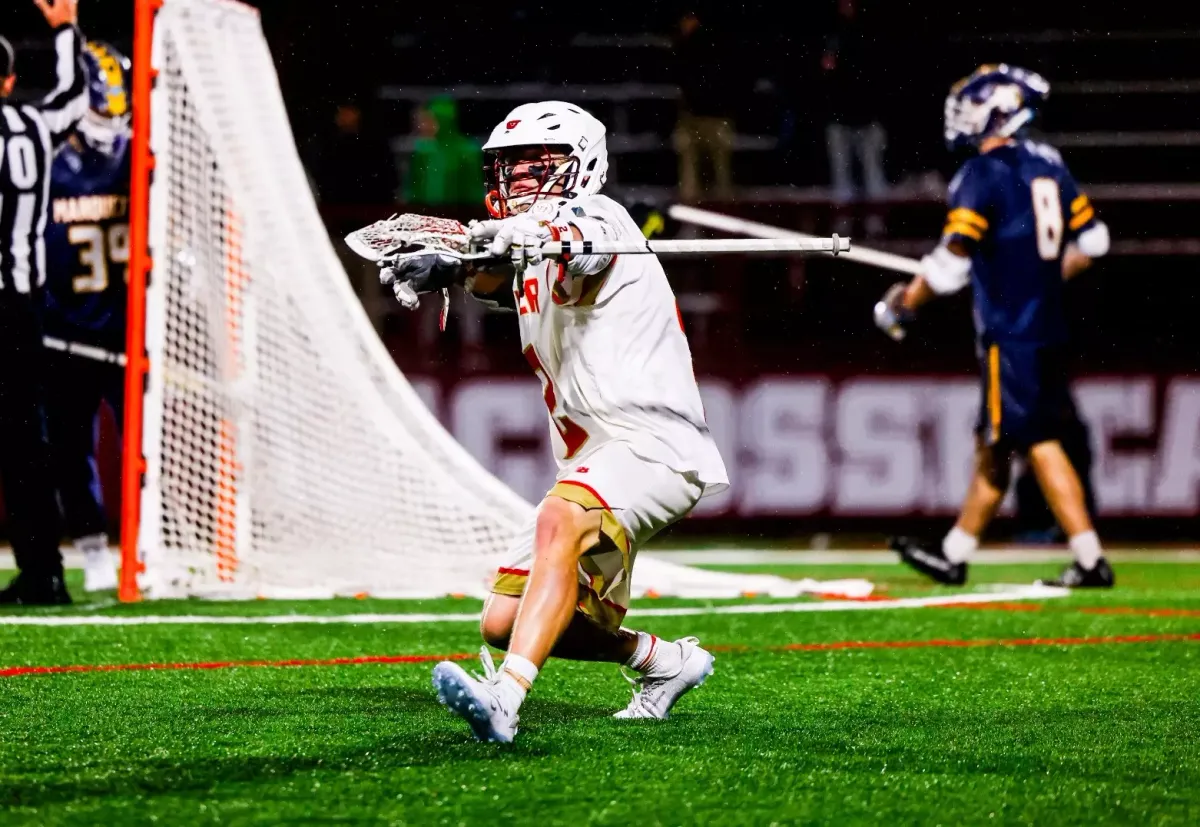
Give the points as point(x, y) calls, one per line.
point(1011, 593)
point(996, 556)
point(813, 557)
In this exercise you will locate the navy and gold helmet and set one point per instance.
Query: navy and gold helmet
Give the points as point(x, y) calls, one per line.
point(994, 100)
point(106, 126)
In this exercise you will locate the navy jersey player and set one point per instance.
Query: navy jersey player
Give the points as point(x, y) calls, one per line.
point(87, 249)
point(1017, 228)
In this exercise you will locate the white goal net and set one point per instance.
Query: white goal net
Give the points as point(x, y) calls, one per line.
point(286, 454)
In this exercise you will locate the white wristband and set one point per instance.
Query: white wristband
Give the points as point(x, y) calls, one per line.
point(945, 272)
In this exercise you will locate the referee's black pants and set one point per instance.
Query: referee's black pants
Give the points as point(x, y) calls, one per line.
point(25, 460)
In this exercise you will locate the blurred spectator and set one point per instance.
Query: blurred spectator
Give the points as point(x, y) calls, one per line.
point(446, 166)
point(853, 128)
point(354, 165)
point(704, 129)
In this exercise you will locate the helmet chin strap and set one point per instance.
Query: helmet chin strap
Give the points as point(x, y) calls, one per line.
point(494, 204)
point(1015, 123)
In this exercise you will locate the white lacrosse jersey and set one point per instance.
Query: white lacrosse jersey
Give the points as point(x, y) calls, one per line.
point(611, 354)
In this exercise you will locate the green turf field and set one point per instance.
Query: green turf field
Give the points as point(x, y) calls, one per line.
point(1080, 710)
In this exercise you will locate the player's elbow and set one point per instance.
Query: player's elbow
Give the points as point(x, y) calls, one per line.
point(1094, 241)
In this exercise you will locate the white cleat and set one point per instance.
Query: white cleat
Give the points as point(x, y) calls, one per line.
point(654, 697)
point(477, 701)
point(99, 570)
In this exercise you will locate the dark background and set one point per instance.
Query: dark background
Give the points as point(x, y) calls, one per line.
point(1123, 109)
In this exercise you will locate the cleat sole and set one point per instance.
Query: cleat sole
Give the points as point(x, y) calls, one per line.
point(453, 694)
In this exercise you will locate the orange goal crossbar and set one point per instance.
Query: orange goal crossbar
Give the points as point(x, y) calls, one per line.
point(133, 462)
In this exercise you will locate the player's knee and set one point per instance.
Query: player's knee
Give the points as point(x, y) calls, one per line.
point(1050, 461)
point(995, 467)
point(496, 632)
point(562, 528)
point(496, 623)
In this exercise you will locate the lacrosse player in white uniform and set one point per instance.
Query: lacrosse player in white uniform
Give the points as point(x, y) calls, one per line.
point(603, 335)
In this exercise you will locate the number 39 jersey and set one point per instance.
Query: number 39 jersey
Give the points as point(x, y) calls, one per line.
point(87, 248)
point(610, 352)
point(1015, 208)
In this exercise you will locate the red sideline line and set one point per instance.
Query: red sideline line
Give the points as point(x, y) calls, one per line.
point(1022, 641)
point(16, 671)
point(1122, 610)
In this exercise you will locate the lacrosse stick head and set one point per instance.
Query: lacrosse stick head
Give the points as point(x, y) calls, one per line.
point(409, 234)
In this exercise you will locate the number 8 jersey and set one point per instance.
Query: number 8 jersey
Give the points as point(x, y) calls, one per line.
point(610, 351)
point(87, 248)
point(1014, 209)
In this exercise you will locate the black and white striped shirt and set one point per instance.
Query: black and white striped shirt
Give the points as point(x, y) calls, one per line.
point(29, 135)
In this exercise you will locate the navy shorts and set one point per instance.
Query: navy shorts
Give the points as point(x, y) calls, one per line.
point(1026, 396)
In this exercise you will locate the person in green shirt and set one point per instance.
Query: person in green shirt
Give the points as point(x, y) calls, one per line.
point(446, 166)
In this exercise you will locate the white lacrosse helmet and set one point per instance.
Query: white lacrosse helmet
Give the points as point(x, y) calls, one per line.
point(568, 149)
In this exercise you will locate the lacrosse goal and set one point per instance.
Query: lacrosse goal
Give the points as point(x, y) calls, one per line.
point(273, 449)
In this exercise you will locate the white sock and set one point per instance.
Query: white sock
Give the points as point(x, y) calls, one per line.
point(958, 545)
point(91, 544)
point(516, 678)
point(1086, 547)
point(655, 657)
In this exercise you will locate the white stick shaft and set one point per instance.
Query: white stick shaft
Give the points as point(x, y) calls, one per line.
point(96, 354)
point(810, 244)
point(731, 224)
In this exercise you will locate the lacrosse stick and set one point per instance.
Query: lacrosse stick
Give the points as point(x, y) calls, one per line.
point(407, 235)
point(410, 235)
point(740, 226)
point(403, 236)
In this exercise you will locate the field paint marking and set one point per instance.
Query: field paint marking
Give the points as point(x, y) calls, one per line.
point(966, 644)
point(733, 556)
point(16, 671)
point(827, 646)
point(1012, 594)
point(993, 556)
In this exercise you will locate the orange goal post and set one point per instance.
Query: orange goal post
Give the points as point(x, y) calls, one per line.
point(272, 447)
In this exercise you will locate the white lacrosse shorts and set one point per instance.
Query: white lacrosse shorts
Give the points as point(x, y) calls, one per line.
point(638, 498)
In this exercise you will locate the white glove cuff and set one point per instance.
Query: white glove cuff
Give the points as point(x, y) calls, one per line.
point(1094, 242)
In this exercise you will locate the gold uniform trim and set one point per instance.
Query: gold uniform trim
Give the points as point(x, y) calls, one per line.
point(994, 391)
point(606, 613)
point(967, 216)
point(583, 495)
point(1082, 218)
point(959, 228)
point(1078, 204)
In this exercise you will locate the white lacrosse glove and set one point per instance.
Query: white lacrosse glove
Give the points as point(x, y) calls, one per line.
point(521, 238)
point(891, 316)
point(481, 233)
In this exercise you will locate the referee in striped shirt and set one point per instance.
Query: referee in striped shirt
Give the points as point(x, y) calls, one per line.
point(29, 135)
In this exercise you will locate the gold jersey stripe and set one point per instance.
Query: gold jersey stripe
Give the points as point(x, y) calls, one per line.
point(962, 229)
point(994, 407)
point(967, 216)
point(1083, 218)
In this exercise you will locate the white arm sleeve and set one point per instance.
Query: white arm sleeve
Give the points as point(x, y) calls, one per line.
point(944, 271)
point(1093, 242)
